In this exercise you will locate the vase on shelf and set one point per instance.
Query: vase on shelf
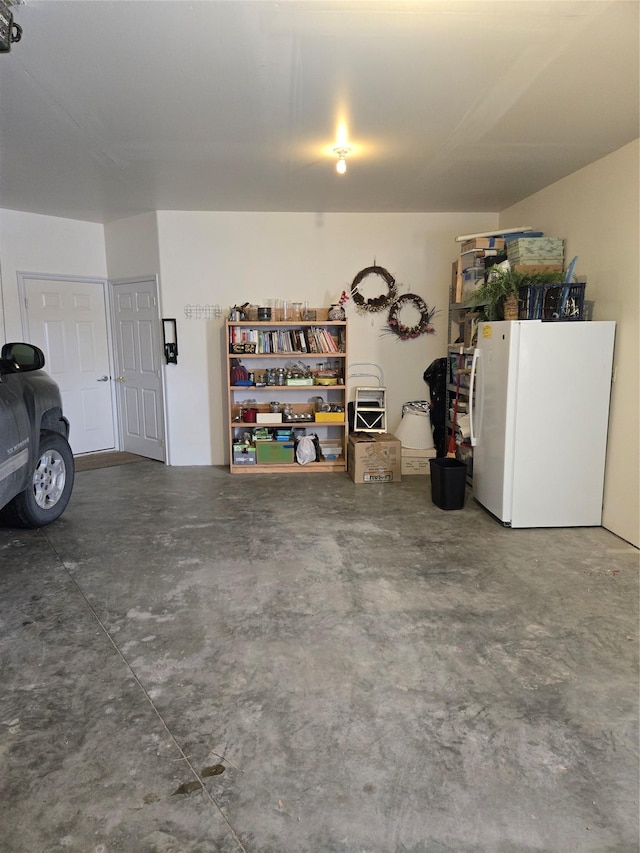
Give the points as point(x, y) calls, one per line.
point(336, 312)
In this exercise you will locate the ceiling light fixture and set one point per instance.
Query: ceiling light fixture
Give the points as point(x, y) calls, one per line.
point(341, 165)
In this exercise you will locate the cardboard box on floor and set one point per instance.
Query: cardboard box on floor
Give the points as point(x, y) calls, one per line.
point(374, 457)
point(416, 461)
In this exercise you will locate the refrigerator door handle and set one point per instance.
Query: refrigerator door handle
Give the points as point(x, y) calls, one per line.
point(472, 388)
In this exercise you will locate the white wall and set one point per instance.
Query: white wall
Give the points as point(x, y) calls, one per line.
point(596, 210)
point(30, 242)
point(132, 246)
point(218, 258)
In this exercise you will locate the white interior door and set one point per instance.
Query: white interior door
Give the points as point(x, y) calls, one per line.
point(67, 319)
point(139, 360)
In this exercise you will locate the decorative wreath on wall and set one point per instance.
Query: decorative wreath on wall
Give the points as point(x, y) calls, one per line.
point(422, 327)
point(377, 303)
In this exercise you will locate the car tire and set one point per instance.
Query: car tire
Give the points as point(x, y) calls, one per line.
point(48, 493)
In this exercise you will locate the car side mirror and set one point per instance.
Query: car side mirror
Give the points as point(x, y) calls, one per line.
point(21, 356)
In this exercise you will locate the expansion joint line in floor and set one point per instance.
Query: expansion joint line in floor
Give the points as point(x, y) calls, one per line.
point(118, 651)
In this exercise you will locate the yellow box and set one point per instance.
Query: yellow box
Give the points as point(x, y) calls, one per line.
point(330, 417)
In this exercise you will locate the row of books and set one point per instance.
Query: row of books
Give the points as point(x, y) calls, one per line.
point(311, 339)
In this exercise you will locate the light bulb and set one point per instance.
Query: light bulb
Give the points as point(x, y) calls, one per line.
point(341, 165)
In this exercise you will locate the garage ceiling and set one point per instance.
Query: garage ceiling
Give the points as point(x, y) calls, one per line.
point(109, 109)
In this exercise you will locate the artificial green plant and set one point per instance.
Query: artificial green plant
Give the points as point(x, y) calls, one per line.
point(501, 282)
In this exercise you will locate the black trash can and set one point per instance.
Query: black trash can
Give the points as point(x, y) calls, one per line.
point(448, 482)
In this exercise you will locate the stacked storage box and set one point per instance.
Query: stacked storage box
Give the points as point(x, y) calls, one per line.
point(474, 258)
point(537, 300)
point(468, 271)
point(536, 254)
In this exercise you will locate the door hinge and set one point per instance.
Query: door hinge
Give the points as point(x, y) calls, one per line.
point(155, 302)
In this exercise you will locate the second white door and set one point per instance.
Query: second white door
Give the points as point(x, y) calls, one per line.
point(139, 359)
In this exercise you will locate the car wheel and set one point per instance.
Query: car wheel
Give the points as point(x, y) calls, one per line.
point(48, 493)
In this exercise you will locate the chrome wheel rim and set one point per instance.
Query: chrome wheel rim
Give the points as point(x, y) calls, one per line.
point(49, 478)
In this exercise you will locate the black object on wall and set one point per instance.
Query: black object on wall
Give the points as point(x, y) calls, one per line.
point(170, 339)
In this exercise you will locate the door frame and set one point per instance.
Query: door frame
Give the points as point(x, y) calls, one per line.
point(155, 280)
point(107, 297)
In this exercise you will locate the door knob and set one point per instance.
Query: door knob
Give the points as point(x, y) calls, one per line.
point(103, 379)
point(120, 379)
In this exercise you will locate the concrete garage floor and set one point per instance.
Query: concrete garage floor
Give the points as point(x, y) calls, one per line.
point(196, 662)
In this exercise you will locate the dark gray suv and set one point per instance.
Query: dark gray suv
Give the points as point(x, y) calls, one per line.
point(36, 462)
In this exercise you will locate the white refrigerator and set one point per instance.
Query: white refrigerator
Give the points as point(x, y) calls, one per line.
point(539, 416)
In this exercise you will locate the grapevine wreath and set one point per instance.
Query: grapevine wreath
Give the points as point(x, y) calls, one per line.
point(423, 326)
point(378, 303)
